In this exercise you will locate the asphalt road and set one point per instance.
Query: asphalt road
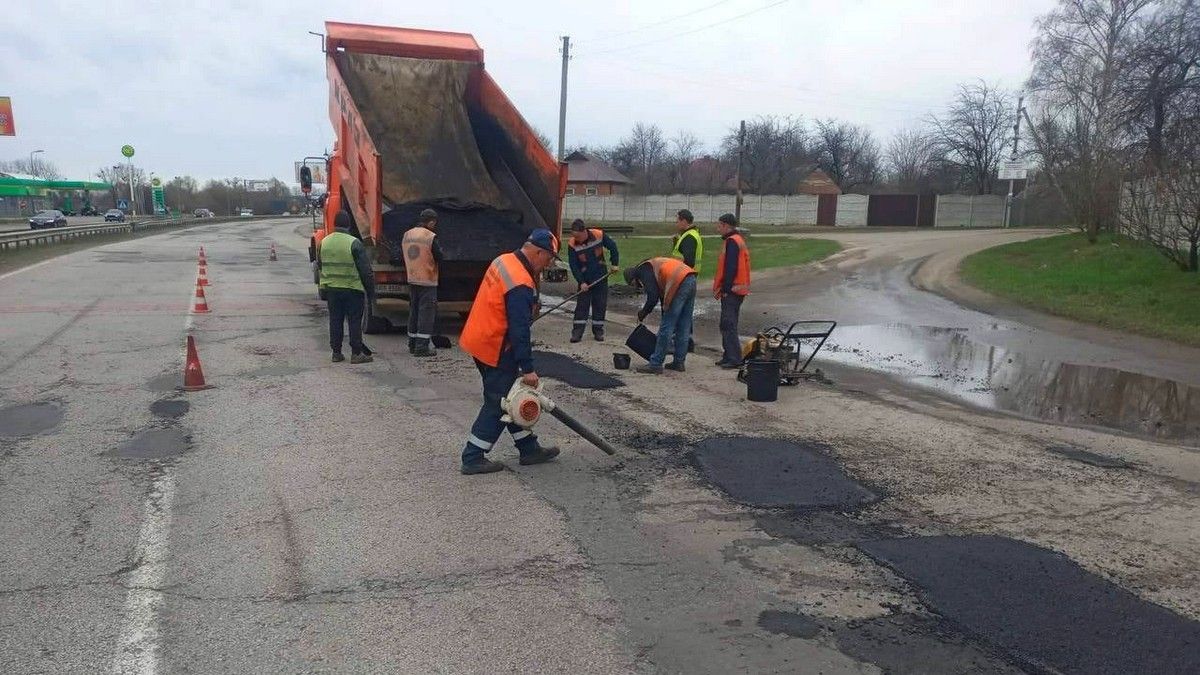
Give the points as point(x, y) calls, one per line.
point(71, 221)
point(304, 516)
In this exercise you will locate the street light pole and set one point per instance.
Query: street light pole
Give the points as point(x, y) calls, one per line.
point(31, 169)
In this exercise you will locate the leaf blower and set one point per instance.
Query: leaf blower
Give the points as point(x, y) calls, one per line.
point(523, 406)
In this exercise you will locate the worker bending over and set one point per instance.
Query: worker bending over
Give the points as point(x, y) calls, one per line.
point(674, 284)
point(731, 286)
point(497, 335)
point(422, 255)
point(345, 277)
point(591, 272)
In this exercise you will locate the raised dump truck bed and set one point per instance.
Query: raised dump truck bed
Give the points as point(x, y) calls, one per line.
point(420, 124)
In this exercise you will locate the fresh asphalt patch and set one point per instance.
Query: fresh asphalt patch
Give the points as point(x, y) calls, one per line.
point(788, 623)
point(822, 528)
point(572, 372)
point(153, 444)
point(1089, 457)
point(28, 419)
point(1043, 609)
point(774, 473)
point(170, 408)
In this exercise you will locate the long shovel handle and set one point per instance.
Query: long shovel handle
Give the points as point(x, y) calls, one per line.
point(571, 297)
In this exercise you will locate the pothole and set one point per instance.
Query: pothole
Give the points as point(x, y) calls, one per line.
point(788, 623)
point(772, 473)
point(574, 373)
point(170, 408)
point(28, 419)
point(153, 444)
point(1088, 457)
point(1041, 607)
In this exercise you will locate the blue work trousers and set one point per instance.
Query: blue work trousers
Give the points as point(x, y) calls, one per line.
point(676, 326)
point(487, 427)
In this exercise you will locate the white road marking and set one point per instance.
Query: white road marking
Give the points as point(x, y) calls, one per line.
point(139, 642)
point(25, 269)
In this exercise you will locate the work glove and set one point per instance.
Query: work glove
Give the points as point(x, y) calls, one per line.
point(642, 314)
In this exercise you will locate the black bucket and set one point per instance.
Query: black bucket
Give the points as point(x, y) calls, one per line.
point(620, 361)
point(642, 341)
point(762, 380)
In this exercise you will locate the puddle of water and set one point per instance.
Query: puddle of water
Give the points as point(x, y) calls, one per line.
point(769, 472)
point(574, 373)
point(28, 419)
point(1041, 607)
point(169, 408)
point(947, 361)
point(788, 623)
point(153, 444)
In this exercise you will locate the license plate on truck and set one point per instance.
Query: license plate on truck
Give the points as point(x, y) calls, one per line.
point(391, 289)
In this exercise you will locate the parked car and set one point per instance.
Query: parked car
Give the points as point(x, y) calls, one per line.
point(48, 218)
point(114, 216)
point(202, 213)
point(245, 212)
point(89, 211)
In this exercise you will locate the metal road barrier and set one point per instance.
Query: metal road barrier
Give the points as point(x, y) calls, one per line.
point(60, 234)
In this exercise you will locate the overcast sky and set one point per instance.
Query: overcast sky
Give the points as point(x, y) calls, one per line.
point(219, 89)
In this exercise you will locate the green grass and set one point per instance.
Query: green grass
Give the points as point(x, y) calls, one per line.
point(765, 252)
point(669, 229)
point(1117, 282)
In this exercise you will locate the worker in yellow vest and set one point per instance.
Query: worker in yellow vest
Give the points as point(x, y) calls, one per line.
point(422, 256)
point(689, 247)
point(346, 279)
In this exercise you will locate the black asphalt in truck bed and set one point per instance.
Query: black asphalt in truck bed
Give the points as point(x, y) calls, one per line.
point(1041, 607)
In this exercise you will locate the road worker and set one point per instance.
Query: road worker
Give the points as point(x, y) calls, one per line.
point(731, 286)
point(346, 279)
point(422, 256)
point(586, 251)
point(497, 335)
point(674, 284)
point(689, 247)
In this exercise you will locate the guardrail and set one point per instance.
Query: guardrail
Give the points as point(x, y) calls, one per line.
point(56, 234)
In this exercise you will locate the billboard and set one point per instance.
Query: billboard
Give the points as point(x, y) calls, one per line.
point(7, 126)
point(316, 167)
point(258, 186)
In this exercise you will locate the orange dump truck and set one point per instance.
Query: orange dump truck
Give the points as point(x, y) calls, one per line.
point(420, 124)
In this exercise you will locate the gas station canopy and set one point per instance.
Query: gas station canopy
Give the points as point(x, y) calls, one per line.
point(25, 185)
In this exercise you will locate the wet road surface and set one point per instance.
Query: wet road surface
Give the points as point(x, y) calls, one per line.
point(305, 516)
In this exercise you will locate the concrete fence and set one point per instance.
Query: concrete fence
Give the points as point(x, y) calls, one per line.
point(852, 209)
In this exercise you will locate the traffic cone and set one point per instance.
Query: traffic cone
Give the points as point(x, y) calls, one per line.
point(193, 375)
point(273, 258)
point(201, 304)
point(202, 277)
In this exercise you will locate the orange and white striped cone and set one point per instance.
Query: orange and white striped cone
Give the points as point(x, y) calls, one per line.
point(273, 258)
point(193, 374)
point(202, 277)
point(201, 304)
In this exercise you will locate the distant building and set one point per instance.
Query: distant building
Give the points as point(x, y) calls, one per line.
point(817, 182)
point(589, 176)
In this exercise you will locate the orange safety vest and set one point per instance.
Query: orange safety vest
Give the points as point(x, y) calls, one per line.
point(417, 245)
point(670, 273)
point(592, 247)
point(741, 283)
point(487, 326)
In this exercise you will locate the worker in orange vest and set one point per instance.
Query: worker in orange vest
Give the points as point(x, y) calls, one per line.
point(674, 283)
point(422, 255)
point(731, 286)
point(497, 335)
point(585, 252)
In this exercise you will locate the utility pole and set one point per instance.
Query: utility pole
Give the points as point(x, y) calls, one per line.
point(737, 177)
point(1008, 201)
point(132, 199)
point(562, 102)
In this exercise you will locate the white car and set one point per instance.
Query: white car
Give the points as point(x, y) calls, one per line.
point(245, 212)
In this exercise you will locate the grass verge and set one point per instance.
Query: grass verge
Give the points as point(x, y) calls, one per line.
point(1117, 283)
point(765, 251)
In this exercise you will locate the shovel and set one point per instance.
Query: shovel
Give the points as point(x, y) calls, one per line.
point(572, 297)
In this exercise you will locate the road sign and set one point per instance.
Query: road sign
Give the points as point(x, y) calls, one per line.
point(127, 150)
point(122, 204)
point(7, 126)
point(155, 182)
point(1015, 170)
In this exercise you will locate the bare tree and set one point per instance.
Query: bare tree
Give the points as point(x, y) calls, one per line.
point(118, 176)
point(545, 141)
point(1080, 61)
point(685, 148)
point(911, 155)
point(776, 153)
point(974, 132)
point(1164, 210)
point(847, 153)
point(35, 166)
point(649, 148)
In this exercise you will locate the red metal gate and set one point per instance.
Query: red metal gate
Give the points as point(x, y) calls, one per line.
point(892, 210)
point(826, 209)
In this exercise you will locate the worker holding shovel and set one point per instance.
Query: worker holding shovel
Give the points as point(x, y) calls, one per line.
point(591, 271)
point(674, 283)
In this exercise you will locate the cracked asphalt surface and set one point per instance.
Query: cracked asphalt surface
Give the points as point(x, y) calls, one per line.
point(303, 516)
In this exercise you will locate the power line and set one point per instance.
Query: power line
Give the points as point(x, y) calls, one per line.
point(615, 35)
point(675, 36)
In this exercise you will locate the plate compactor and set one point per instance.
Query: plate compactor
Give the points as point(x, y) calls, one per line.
point(776, 344)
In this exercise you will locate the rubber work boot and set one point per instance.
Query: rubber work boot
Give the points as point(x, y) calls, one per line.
point(412, 345)
point(484, 465)
point(649, 369)
point(544, 453)
point(576, 335)
point(361, 358)
point(729, 365)
point(599, 335)
point(338, 357)
point(675, 366)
